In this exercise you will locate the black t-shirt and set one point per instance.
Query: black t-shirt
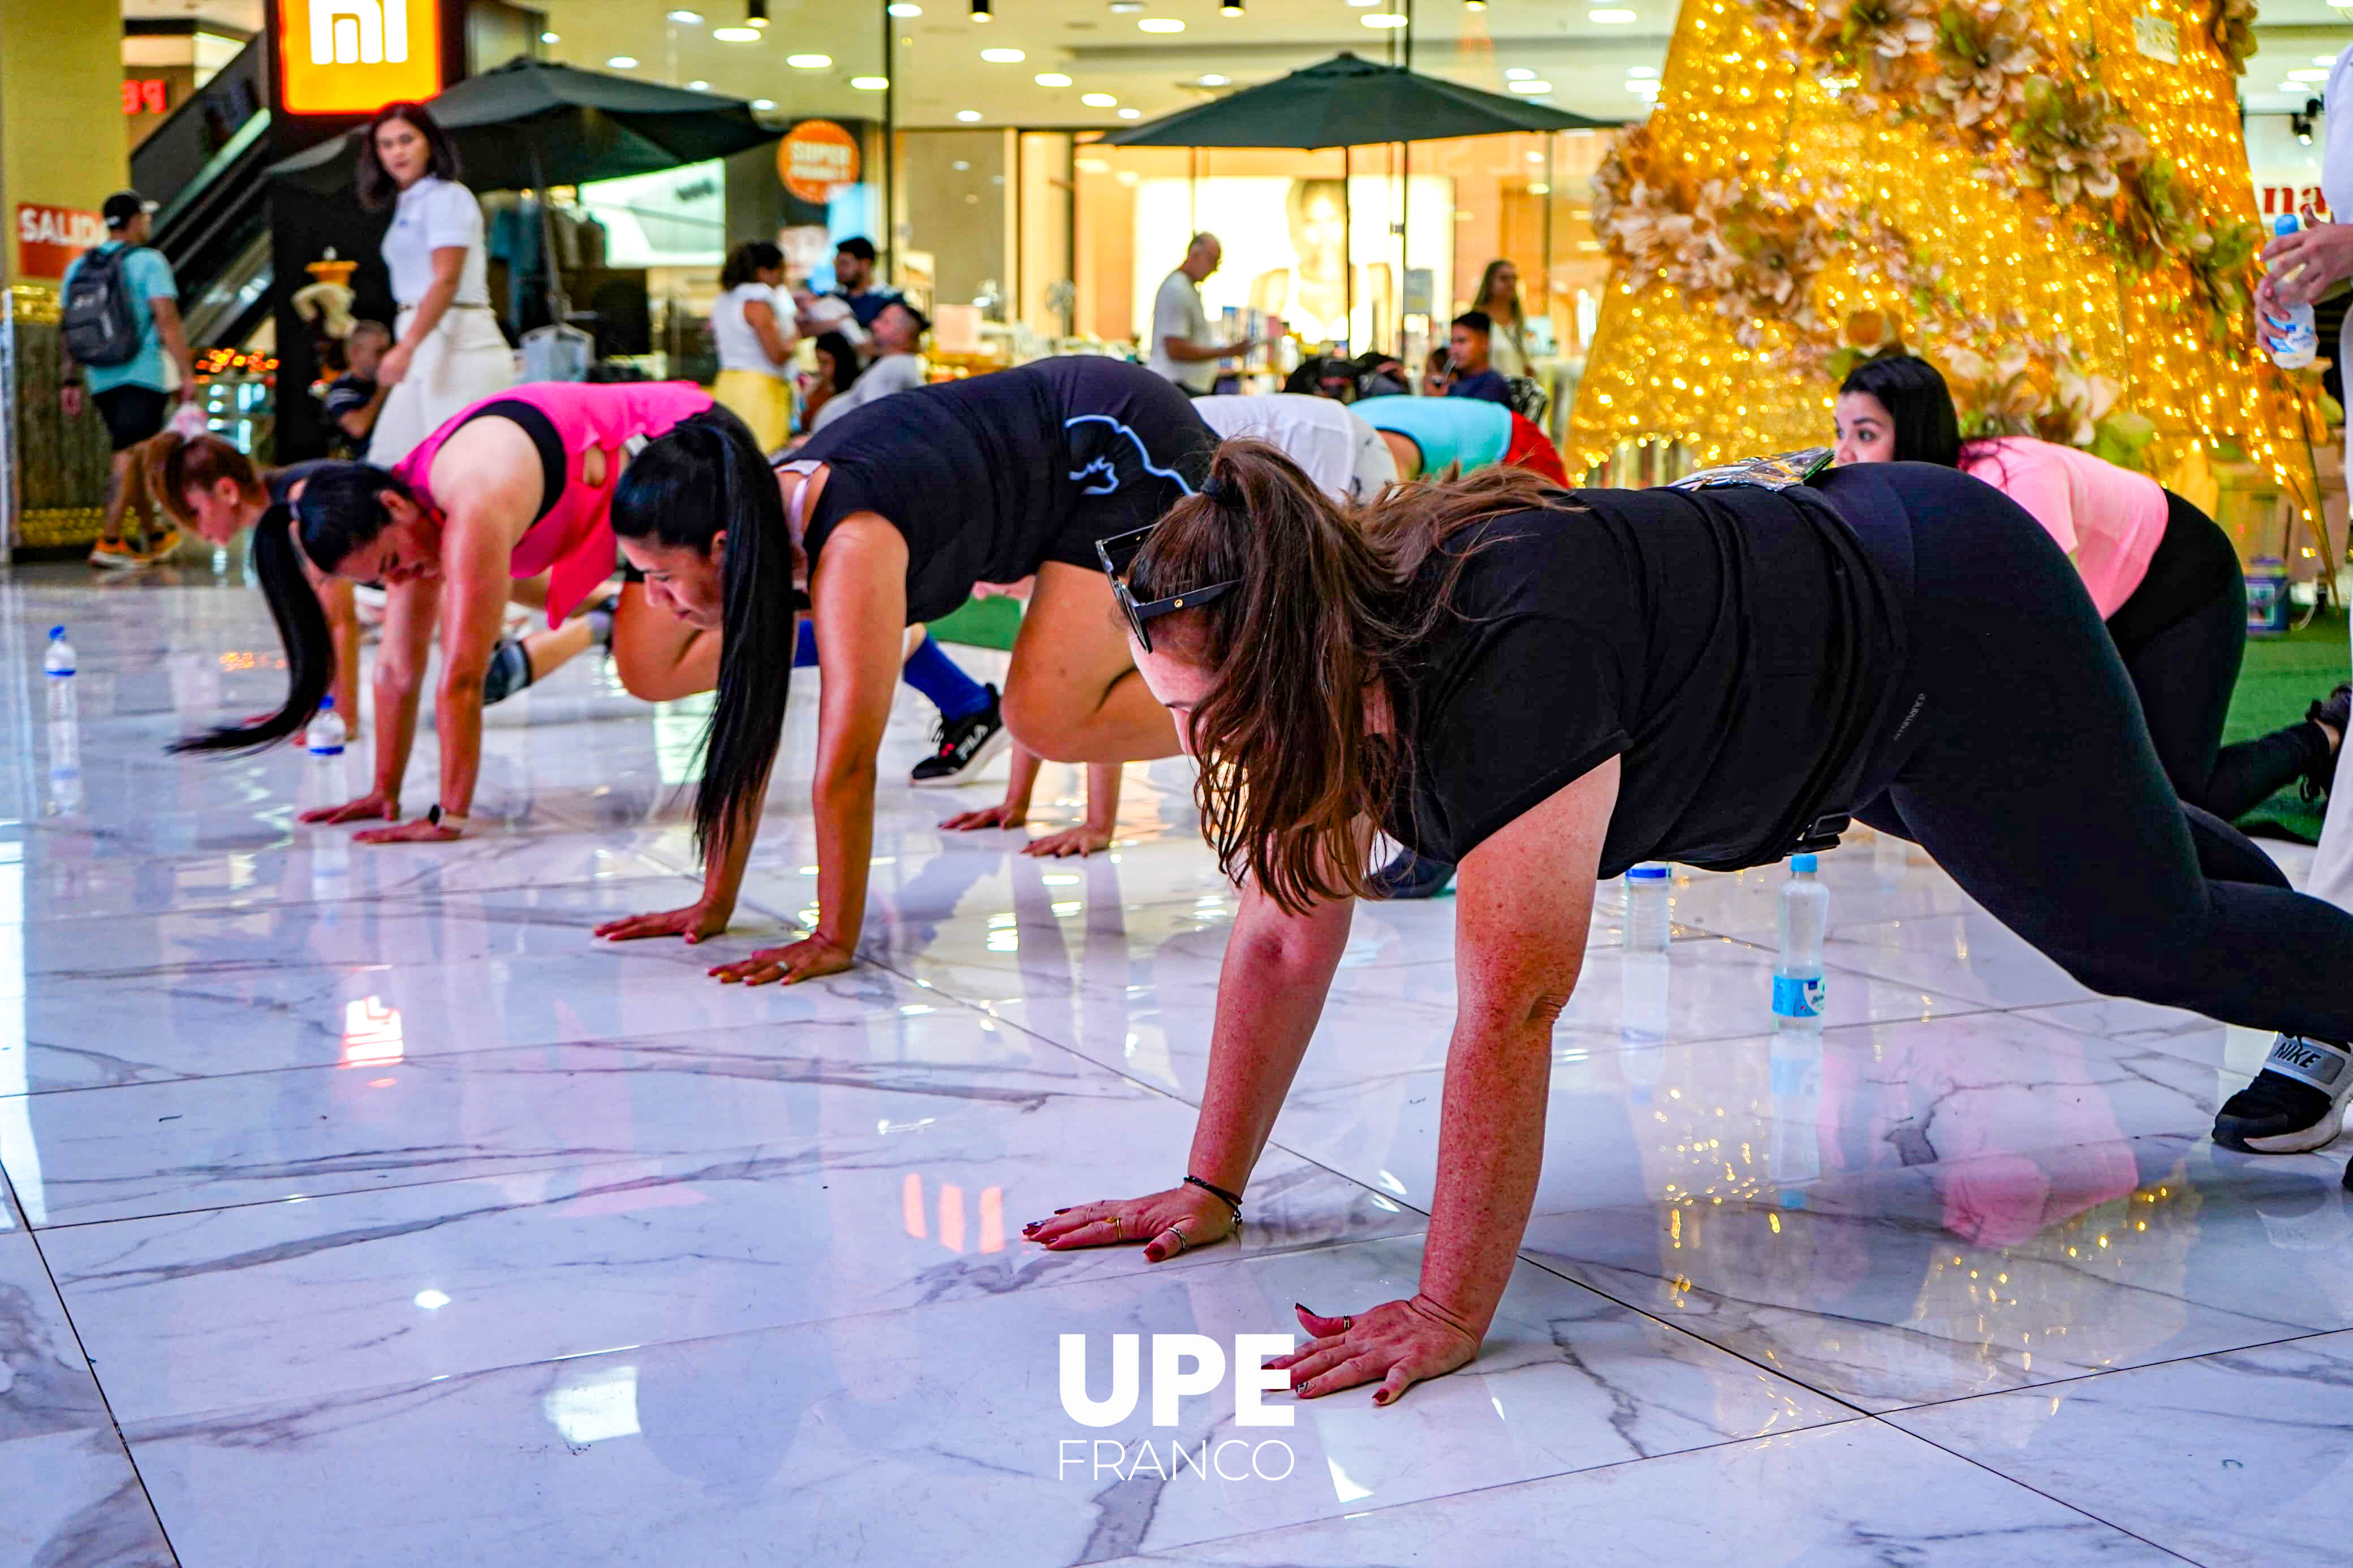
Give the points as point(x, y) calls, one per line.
point(1730, 646)
point(991, 477)
point(348, 393)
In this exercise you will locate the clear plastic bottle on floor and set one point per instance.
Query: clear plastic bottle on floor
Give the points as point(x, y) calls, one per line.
point(1797, 986)
point(2292, 339)
point(325, 734)
point(1647, 929)
point(1794, 1153)
point(58, 664)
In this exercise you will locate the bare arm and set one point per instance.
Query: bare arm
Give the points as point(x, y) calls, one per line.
point(761, 317)
point(1186, 351)
point(409, 612)
point(1021, 781)
point(448, 261)
point(166, 312)
point(341, 610)
point(359, 422)
point(659, 658)
point(859, 598)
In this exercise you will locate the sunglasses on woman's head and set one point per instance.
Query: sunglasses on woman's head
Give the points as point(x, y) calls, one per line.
point(1118, 553)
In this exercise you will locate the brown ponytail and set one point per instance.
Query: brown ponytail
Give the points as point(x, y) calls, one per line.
point(1329, 605)
point(171, 466)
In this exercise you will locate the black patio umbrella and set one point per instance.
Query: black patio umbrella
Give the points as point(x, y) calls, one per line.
point(529, 124)
point(1347, 101)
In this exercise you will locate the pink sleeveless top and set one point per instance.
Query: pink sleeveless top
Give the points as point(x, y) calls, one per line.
point(574, 541)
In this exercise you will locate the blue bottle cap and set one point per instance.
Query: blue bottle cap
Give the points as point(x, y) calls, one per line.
point(1805, 863)
point(2285, 224)
point(55, 633)
point(1649, 871)
point(327, 703)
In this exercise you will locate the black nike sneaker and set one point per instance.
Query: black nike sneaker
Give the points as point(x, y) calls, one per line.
point(1411, 876)
point(2336, 711)
point(965, 746)
point(2295, 1103)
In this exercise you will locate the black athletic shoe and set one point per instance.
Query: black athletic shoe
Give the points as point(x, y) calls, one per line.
point(2286, 1110)
point(1409, 876)
point(965, 746)
point(2336, 711)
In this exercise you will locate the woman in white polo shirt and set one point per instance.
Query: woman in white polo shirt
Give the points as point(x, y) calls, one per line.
point(754, 340)
point(449, 351)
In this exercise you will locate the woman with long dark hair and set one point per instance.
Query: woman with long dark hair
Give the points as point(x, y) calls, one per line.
point(513, 487)
point(1498, 299)
point(836, 373)
point(2164, 576)
point(754, 340)
point(888, 518)
point(1550, 687)
point(448, 351)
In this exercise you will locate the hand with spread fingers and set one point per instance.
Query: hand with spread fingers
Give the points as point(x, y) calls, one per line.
point(1182, 1219)
point(803, 960)
point(1396, 1344)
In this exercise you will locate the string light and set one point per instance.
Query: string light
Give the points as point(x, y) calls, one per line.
point(1730, 111)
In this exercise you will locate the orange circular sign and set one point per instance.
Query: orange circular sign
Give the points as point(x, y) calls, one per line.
point(816, 159)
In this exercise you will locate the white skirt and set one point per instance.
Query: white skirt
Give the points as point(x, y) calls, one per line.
point(465, 360)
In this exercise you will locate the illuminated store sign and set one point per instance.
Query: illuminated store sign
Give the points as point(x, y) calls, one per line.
point(354, 57)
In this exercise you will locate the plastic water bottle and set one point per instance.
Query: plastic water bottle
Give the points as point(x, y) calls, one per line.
point(58, 665)
point(2292, 339)
point(325, 734)
point(1794, 1152)
point(1647, 929)
point(1797, 973)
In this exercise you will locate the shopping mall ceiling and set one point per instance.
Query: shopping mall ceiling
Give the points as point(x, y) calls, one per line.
point(1138, 58)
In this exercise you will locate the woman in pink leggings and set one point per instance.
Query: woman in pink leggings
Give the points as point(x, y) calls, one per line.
point(514, 486)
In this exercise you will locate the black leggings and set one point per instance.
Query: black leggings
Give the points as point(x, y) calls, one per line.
point(2182, 635)
point(2029, 775)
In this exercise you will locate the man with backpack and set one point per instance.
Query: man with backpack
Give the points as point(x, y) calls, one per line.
point(122, 317)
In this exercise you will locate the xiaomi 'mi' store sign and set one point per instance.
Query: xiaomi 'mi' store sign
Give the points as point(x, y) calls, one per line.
point(354, 57)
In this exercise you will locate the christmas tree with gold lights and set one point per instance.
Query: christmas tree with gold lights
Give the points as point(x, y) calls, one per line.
point(2051, 201)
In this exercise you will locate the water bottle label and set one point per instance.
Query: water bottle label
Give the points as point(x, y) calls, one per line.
point(1797, 996)
point(327, 751)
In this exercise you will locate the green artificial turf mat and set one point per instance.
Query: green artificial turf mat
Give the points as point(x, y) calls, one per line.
point(981, 623)
point(2278, 681)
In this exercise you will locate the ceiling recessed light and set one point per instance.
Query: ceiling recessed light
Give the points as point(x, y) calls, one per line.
point(2324, 59)
point(903, 9)
point(967, 115)
point(1538, 188)
point(623, 62)
point(1383, 19)
point(1519, 73)
point(808, 62)
point(1214, 79)
point(689, 18)
point(870, 83)
point(1230, 8)
point(1160, 25)
point(698, 87)
point(980, 11)
point(1003, 57)
point(1126, 8)
point(960, 167)
point(764, 104)
point(1093, 166)
point(1097, 99)
point(1130, 113)
point(550, 38)
point(1535, 157)
point(1050, 79)
point(1610, 18)
point(1635, 73)
point(736, 35)
point(1647, 89)
point(2307, 76)
point(1530, 88)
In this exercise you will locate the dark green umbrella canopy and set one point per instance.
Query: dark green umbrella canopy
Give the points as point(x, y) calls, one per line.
point(1348, 102)
point(531, 123)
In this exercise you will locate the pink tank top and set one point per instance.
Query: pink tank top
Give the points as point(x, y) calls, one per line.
point(574, 540)
point(2110, 520)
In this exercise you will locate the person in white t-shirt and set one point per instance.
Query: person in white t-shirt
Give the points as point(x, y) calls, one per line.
point(448, 351)
point(1180, 345)
point(751, 328)
point(1340, 454)
point(898, 333)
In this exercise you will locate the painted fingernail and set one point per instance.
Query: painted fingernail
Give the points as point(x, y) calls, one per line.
point(1062, 1211)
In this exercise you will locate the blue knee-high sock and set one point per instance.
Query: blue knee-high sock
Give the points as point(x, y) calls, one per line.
point(935, 674)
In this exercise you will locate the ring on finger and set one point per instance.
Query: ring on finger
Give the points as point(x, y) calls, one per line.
point(1118, 1226)
point(1181, 1242)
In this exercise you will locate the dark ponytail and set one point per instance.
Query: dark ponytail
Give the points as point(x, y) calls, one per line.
point(705, 475)
point(1330, 605)
point(1919, 405)
point(342, 509)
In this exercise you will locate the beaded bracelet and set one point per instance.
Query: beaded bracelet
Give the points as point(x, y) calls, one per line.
point(1214, 1190)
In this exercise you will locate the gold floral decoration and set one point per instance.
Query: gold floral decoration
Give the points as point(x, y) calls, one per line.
point(2071, 143)
point(2232, 26)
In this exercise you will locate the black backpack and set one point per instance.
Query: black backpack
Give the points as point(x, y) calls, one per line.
point(99, 327)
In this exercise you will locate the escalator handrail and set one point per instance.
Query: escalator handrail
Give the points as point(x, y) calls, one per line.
point(239, 145)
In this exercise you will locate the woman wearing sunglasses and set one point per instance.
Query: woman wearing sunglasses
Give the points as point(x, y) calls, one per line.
point(513, 487)
point(886, 518)
point(1548, 688)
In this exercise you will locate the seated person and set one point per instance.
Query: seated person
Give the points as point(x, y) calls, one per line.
point(898, 332)
point(1471, 375)
point(354, 398)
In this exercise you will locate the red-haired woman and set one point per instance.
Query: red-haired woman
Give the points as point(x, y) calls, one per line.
point(1548, 688)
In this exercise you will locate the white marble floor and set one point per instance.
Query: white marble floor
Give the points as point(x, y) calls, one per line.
point(362, 1210)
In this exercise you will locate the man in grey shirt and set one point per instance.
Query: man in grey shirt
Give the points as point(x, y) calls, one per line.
point(1181, 348)
point(897, 366)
